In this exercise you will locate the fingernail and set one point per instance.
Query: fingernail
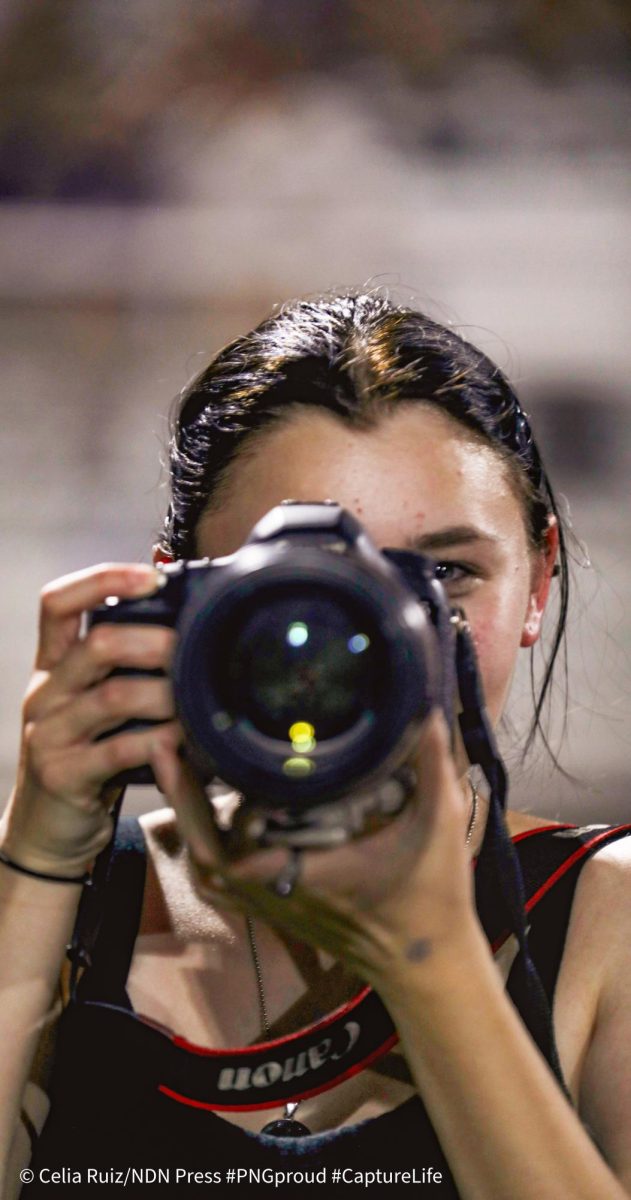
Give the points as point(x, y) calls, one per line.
point(144, 580)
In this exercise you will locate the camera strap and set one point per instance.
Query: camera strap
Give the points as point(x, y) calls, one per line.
point(497, 848)
point(80, 949)
point(497, 851)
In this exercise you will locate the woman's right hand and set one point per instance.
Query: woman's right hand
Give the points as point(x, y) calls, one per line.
point(58, 818)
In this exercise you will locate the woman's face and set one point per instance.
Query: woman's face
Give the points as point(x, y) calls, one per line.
point(415, 481)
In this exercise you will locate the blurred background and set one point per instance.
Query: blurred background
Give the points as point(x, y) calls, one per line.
point(171, 169)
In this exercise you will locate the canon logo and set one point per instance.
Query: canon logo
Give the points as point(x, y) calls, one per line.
point(241, 1079)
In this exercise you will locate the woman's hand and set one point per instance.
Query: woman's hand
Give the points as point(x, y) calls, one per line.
point(58, 818)
point(381, 903)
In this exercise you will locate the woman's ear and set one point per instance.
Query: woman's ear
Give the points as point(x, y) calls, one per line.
point(160, 555)
point(543, 570)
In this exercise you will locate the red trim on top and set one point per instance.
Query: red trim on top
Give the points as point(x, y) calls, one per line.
point(323, 1023)
point(323, 1087)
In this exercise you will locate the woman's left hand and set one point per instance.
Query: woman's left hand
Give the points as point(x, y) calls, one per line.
point(380, 903)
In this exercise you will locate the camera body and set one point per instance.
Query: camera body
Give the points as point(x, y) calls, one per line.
point(305, 661)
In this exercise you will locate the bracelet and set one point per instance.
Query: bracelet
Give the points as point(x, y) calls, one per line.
point(9, 862)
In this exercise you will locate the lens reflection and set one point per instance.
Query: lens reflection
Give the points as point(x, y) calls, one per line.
point(297, 634)
point(358, 643)
point(302, 737)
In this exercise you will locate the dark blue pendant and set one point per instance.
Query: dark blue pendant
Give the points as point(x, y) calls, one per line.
point(286, 1127)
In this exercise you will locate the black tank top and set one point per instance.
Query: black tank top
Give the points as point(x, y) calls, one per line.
point(110, 1111)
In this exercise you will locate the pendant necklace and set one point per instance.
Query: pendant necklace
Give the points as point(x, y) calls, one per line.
point(287, 1125)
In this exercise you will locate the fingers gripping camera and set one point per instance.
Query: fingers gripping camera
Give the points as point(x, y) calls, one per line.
point(305, 661)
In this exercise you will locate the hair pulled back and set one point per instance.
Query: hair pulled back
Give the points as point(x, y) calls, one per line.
point(357, 356)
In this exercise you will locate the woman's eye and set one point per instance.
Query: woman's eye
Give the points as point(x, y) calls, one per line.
point(453, 572)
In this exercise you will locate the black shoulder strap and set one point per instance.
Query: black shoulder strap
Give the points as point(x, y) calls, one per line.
point(108, 919)
point(552, 865)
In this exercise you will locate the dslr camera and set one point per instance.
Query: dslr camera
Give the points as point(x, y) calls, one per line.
point(305, 664)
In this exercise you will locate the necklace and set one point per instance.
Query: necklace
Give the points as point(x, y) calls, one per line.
point(474, 811)
point(287, 1125)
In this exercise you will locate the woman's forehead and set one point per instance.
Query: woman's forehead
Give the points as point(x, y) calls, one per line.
point(312, 445)
point(412, 472)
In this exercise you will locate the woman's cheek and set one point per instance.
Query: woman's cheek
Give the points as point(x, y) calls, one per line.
point(496, 650)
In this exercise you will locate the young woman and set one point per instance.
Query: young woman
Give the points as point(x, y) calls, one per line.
point(417, 434)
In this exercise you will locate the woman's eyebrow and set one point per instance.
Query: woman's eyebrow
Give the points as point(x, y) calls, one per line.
point(442, 539)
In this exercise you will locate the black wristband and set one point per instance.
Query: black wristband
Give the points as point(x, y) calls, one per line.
point(9, 862)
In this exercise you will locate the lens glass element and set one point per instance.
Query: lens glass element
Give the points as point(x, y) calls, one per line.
point(303, 664)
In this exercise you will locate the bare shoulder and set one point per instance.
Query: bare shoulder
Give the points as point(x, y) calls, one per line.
point(595, 962)
point(599, 930)
point(596, 955)
point(595, 980)
point(602, 902)
point(600, 919)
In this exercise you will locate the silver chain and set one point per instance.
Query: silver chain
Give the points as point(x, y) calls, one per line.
point(290, 1105)
point(259, 978)
point(474, 812)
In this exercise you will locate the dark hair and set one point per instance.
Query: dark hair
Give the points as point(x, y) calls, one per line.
point(357, 356)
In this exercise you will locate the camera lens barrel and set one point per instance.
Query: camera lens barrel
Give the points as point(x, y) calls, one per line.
point(305, 661)
point(303, 668)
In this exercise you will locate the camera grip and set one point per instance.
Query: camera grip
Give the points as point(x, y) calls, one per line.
point(159, 609)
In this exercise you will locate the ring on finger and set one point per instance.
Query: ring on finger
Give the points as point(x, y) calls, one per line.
point(287, 878)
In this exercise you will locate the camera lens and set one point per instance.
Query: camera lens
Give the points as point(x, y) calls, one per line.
point(305, 664)
point(302, 666)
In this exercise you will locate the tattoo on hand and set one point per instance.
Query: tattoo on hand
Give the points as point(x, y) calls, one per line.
point(418, 950)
